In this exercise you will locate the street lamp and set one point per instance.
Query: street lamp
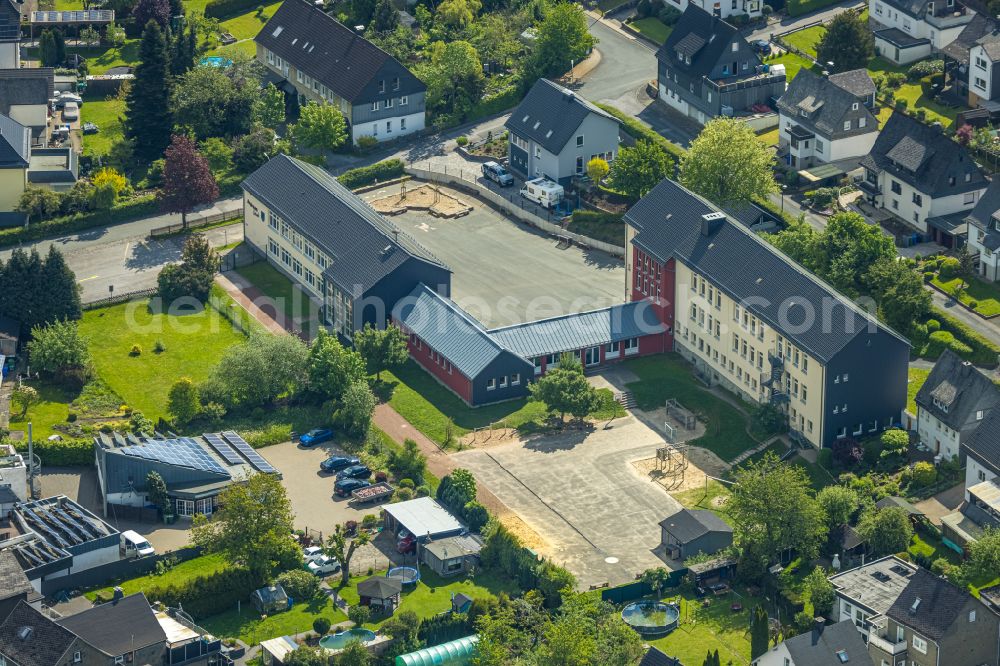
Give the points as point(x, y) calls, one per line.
point(783, 188)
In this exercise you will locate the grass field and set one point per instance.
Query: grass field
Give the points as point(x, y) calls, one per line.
point(50, 411)
point(709, 628)
point(917, 377)
point(251, 628)
point(805, 40)
point(668, 376)
point(194, 343)
point(106, 114)
point(792, 62)
point(985, 294)
point(653, 29)
point(917, 94)
point(246, 26)
point(770, 138)
point(290, 298)
point(204, 565)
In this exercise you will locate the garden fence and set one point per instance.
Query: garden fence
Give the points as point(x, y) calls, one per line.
point(119, 298)
point(196, 224)
point(512, 203)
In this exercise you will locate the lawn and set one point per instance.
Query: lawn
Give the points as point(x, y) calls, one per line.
point(917, 94)
point(792, 62)
point(985, 294)
point(770, 137)
point(917, 377)
point(669, 376)
point(653, 29)
point(204, 565)
point(100, 58)
point(248, 625)
point(711, 497)
point(52, 410)
point(432, 594)
point(709, 628)
point(287, 296)
point(106, 114)
point(194, 343)
point(805, 40)
point(246, 26)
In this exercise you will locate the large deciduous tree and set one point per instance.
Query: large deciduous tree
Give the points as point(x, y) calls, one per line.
point(357, 405)
point(386, 17)
point(839, 503)
point(58, 348)
point(563, 39)
point(269, 109)
point(639, 169)
point(728, 164)
point(320, 127)
point(151, 10)
point(333, 367)
point(381, 348)
point(848, 43)
point(257, 372)
point(983, 561)
point(886, 531)
point(148, 117)
point(565, 390)
point(216, 101)
point(848, 248)
point(342, 548)
point(187, 179)
point(454, 78)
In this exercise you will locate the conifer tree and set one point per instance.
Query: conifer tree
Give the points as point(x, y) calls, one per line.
point(148, 120)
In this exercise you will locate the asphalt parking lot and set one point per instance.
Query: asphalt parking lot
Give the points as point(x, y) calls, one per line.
point(580, 492)
point(505, 272)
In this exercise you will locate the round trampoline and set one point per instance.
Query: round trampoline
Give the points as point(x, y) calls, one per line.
point(651, 618)
point(405, 575)
point(340, 641)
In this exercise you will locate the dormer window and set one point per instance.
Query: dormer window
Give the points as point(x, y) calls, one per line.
point(940, 405)
point(381, 85)
point(736, 47)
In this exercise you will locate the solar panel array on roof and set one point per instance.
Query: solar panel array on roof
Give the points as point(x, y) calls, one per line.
point(248, 452)
point(184, 452)
point(223, 449)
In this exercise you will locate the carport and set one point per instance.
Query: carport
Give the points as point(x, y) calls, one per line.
point(422, 517)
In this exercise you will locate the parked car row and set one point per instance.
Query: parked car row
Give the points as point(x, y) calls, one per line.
point(318, 563)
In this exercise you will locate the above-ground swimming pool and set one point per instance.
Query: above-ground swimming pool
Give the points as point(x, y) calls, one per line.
point(651, 618)
point(406, 575)
point(216, 61)
point(340, 641)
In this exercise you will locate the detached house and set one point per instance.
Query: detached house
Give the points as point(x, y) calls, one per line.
point(981, 508)
point(827, 119)
point(908, 30)
point(316, 58)
point(984, 233)
point(724, 9)
point(10, 34)
point(554, 133)
point(952, 404)
point(823, 646)
point(922, 177)
point(707, 69)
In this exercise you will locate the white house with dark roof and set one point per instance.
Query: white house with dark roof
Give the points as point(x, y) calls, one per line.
point(909, 30)
point(824, 120)
point(863, 595)
point(313, 56)
point(823, 645)
point(554, 133)
point(10, 34)
point(984, 70)
point(748, 8)
point(984, 233)
point(952, 404)
point(923, 178)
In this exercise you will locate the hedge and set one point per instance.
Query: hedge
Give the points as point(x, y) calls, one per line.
point(136, 208)
point(367, 175)
point(67, 453)
point(637, 130)
point(984, 353)
point(941, 340)
point(800, 7)
point(503, 550)
point(207, 595)
point(227, 8)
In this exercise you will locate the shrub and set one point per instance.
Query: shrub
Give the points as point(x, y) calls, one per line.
point(669, 16)
point(367, 175)
point(406, 483)
point(984, 352)
point(973, 303)
point(381, 476)
point(475, 515)
point(901, 105)
point(366, 143)
point(159, 347)
point(928, 276)
point(402, 495)
point(65, 453)
point(359, 614)
point(924, 474)
point(71, 417)
point(847, 452)
point(921, 114)
point(644, 8)
point(321, 626)
point(423, 491)
point(205, 595)
point(135, 351)
point(369, 521)
point(924, 68)
point(638, 131)
point(895, 79)
point(949, 268)
point(938, 341)
point(462, 140)
point(299, 584)
point(767, 10)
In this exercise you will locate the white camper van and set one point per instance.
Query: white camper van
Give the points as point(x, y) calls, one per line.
point(543, 192)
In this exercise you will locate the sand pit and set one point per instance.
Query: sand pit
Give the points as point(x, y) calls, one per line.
point(423, 197)
point(701, 462)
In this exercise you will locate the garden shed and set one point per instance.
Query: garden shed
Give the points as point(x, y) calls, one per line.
point(689, 532)
point(452, 556)
point(453, 653)
point(10, 333)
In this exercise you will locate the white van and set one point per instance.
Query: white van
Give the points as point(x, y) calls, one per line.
point(134, 544)
point(543, 192)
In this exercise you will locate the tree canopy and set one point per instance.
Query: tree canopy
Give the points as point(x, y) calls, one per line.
point(886, 531)
point(382, 348)
point(258, 371)
point(639, 169)
point(728, 164)
point(565, 390)
point(320, 127)
point(562, 38)
point(148, 112)
point(332, 366)
point(187, 179)
point(847, 44)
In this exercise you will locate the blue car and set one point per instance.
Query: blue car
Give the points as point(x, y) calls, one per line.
point(317, 436)
point(337, 463)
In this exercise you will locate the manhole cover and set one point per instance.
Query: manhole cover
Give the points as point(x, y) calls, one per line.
point(611, 560)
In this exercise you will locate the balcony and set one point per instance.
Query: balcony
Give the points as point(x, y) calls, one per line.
point(887, 646)
point(869, 187)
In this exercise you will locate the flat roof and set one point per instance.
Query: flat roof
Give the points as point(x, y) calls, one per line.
point(987, 492)
point(175, 631)
point(424, 517)
point(875, 585)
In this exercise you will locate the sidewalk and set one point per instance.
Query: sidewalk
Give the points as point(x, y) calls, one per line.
point(253, 300)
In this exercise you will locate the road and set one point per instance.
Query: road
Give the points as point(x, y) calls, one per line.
point(122, 256)
point(788, 23)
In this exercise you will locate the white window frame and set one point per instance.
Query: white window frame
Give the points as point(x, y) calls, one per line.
point(491, 384)
point(919, 644)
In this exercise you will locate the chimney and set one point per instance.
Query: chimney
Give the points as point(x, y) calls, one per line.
point(819, 624)
point(712, 222)
point(395, 235)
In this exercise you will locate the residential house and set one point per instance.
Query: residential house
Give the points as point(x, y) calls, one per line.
point(554, 133)
point(123, 631)
point(752, 320)
point(692, 531)
point(316, 58)
point(923, 178)
point(933, 622)
point(452, 556)
point(30, 638)
point(981, 451)
point(952, 403)
point(956, 56)
point(22, 165)
point(984, 70)
point(835, 645)
point(909, 30)
point(10, 34)
point(984, 233)
point(706, 69)
point(723, 9)
point(863, 595)
point(25, 95)
point(981, 508)
point(324, 238)
point(820, 122)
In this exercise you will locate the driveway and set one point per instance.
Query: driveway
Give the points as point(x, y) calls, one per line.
point(942, 504)
point(579, 491)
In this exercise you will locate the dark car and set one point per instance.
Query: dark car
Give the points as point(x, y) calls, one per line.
point(344, 487)
point(405, 542)
point(762, 46)
point(337, 463)
point(498, 174)
point(316, 436)
point(355, 472)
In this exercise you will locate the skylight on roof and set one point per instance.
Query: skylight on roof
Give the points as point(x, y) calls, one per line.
point(277, 31)
point(842, 656)
point(548, 134)
point(537, 123)
point(295, 40)
point(525, 119)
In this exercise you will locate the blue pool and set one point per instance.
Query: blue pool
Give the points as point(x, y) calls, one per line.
point(216, 61)
point(651, 618)
point(340, 641)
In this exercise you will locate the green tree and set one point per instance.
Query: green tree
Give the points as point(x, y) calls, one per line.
point(56, 291)
point(258, 371)
point(712, 658)
point(341, 549)
point(983, 556)
point(362, 11)
point(320, 127)
point(899, 291)
point(408, 462)
point(886, 531)
point(253, 150)
point(848, 248)
point(251, 526)
point(217, 153)
point(47, 49)
point(193, 277)
point(182, 400)
point(847, 44)
point(839, 503)
point(333, 367)
point(457, 489)
point(728, 164)
point(184, 54)
point(356, 408)
point(639, 169)
point(39, 203)
point(656, 578)
point(894, 442)
point(156, 491)
point(90, 36)
point(565, 390)
point(109, 185)
point(563, 38)
point(455, 15)
point(269, 109)
point(216, 101)
point(24, 397)
point(454, 78)
point(773, 510)
point(597, 169)
point(359, 614)
point(148, 116)
point(381, 348)
point(305, 655)
point(820, 591)
point(115, 35)
point(187, 179)
point(301, 585)
point(403, 628)
point(759, 632)
point(386, 17)
point(494, 40)
point(354, 654)
point(58, 348)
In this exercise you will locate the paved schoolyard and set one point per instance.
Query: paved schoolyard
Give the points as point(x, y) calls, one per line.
point(580, 492)
point(505, 272)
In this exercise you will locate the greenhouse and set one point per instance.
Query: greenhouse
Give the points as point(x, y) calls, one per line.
point(452, 653)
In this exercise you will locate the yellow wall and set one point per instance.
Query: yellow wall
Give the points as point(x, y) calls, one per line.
point(12, 185)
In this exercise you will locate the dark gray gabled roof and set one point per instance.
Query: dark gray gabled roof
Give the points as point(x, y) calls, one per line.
point(15, 143)
point(984, 443)
point(31, 639)
point(689, 524)
point(117, 627)
point(654, 657)
point(380, 587)
point(990, 42)
point(449, 330)
point(826, 104)
point(10, 21)
point(980, 26)
point(668, 221)
point(25, 86)
point(12, 579)
point(701, 37)
point(923, 157)
point(986, 215)
point(549, 115)
point(319, 45)
point(960, 387)
point(858, 82)
point(363, 245)
point(928, 605)
point(822, 648)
